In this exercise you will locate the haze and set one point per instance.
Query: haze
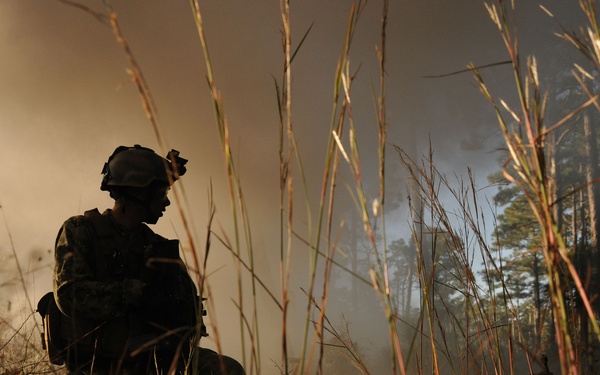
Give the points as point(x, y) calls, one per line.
point(66, 103)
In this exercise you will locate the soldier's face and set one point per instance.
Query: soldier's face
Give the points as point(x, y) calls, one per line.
point(158, 204)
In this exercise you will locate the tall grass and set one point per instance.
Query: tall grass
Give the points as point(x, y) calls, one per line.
point(528, 168)
point(467, 322)
point(323, 243)
point(20, 335)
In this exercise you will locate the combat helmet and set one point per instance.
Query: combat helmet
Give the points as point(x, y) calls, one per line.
point(139, 167)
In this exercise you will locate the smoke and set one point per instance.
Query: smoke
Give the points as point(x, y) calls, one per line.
point(67, 103)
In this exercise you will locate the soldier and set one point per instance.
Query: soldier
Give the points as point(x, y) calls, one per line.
point(128, 304)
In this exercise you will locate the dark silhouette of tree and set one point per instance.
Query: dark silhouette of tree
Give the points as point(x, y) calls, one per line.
point(403, 262)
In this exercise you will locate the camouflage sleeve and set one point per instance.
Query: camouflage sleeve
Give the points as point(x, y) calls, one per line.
point(75, 287)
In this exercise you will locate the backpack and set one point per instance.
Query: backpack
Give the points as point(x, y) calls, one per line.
point(52, 341)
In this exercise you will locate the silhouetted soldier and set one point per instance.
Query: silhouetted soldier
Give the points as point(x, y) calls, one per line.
point(128, 304)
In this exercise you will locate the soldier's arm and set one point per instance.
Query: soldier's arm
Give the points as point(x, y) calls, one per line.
point(75, 289)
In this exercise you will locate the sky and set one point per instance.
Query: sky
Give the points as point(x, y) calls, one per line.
point(66, 103)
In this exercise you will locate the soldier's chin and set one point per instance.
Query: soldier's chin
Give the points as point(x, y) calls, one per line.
point(153, 219)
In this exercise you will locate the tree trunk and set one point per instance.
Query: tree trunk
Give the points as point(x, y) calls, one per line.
point(593, 195)
point(536, 293)
point(407, 304)
point(591, 174)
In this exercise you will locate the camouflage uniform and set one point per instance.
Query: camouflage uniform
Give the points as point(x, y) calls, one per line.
point(129, 303)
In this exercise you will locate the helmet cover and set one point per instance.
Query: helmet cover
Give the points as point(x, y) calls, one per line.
point(139, 167)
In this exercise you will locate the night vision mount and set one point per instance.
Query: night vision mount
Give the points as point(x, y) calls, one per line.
point(177, 164)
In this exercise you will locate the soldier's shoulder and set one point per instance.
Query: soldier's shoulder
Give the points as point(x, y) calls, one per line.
point(79, 221)
point(76, 220)
point(75, 229)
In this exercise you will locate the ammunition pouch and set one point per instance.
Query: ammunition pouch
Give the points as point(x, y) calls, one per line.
point(170, 297)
